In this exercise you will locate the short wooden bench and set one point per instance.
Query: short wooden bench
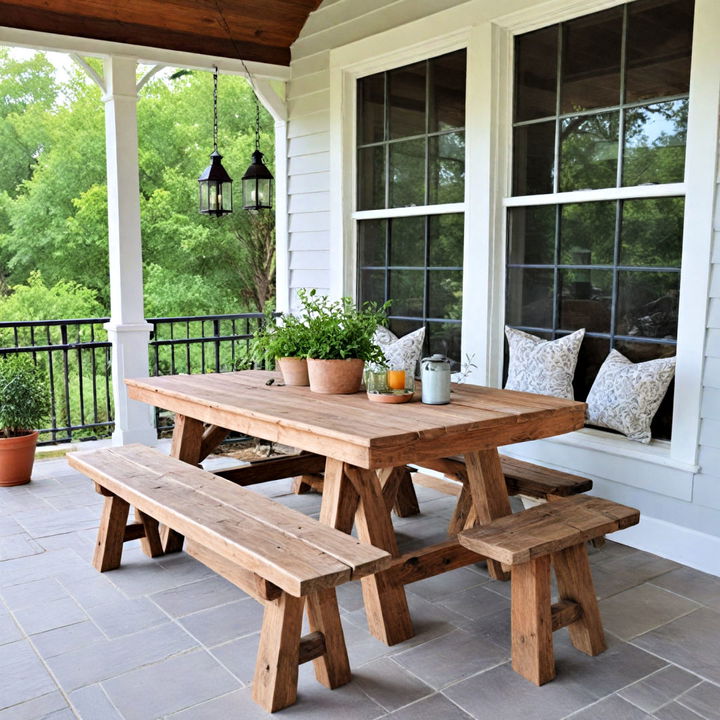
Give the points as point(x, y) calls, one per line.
point(528, 541)
point(275, 554)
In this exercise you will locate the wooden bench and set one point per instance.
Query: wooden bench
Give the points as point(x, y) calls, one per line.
point(521, 478)
point(277, 555)
point(528, 541)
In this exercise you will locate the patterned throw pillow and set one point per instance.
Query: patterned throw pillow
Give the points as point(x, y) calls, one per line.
point(542, 366)
point(626, 395)
point(404, 352)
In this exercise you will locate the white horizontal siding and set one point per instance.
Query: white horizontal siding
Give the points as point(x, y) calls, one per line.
point(317, 162)
point(310, 260)
point(309, 202)
point(306, 222)
point(308, 279)
point(302, 241)
point(309, 183)
point(308, 144)
point(710, 433)
point(309, 124)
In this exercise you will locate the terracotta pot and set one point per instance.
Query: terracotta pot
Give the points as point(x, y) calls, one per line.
point(17, 455)
point(335, 377)
point(294, 370)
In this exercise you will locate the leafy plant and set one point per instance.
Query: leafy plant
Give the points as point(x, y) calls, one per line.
point(286, 336)
point(466, 368)
point(337, 329)
point(23, 395)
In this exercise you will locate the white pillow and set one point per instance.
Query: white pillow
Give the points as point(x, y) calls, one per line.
point(626, 395)
point(401, 353)
point(542, 366)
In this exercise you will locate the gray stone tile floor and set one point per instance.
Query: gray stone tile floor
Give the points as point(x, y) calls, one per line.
point(167, 638)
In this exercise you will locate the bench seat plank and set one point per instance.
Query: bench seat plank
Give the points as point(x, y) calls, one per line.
point(289, 561)
point(548, 528)
point(361, 558)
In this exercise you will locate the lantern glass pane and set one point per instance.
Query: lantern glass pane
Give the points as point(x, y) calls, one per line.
point(203, 197)
point(225, 197)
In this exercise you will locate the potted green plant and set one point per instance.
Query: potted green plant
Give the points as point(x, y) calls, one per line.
point(23, 407)
point(339, 341)
point(283, 341)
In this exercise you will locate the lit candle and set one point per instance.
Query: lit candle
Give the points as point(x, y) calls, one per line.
point(396, 379)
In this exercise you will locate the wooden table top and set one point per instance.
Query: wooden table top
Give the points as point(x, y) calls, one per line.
point(354, 430)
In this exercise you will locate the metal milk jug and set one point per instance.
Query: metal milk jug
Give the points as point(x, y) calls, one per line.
point(435, 379)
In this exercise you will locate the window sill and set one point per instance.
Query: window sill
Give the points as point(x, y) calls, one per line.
point(612, 461)
point(657, 452)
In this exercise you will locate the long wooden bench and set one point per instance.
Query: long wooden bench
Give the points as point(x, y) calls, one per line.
point(278, 556)
point(529, 542)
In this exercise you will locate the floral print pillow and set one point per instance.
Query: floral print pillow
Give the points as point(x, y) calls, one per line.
point(626, 395)
point(546, 367)
point(401, 353)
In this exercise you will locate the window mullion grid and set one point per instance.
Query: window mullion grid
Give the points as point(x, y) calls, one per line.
point(426, 273)
point(615, 279)
point(386, 136)
point(558, 122)
point(621, 119)
point(556, 273)
point(426, 194)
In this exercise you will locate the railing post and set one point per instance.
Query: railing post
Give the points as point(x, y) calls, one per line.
point(128, 331)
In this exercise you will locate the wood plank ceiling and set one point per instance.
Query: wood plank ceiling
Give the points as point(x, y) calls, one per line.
point(258, 30)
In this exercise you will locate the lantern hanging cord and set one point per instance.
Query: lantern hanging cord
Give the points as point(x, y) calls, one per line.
point(257, 105)
point(215, 110)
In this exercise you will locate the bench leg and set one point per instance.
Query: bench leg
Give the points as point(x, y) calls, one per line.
point(111, 534)
point(406, 502)
point(532, 646)
point(333, 668)
point(276, 669)
point(299, 486)
point(151, 544)
point(574, 580)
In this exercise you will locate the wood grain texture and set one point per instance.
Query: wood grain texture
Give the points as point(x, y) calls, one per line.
point(276, 669)
point(531, 621)
point(548, 528)
point(575, 584)
point(332, 668)
point(349, 428)
point(295, 552)
point(261, 471)
point(486, 483)
point(111, 534)
point(262, 32)
point(150, 541)
point(406, 502)
point(386, 605)
point(249, 582)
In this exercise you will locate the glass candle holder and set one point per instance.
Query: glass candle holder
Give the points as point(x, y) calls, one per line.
point(389, 380)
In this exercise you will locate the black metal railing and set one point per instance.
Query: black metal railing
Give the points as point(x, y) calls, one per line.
point(76, 355)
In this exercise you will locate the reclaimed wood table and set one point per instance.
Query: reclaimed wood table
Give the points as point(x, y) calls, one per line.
point(365, 448)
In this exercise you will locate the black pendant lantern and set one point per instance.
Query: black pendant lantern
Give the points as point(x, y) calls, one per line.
point(215, 184)
point(257, 182)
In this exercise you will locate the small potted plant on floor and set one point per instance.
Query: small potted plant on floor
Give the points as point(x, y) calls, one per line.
point(23, 407)
point(283, 341)
point(339, 341)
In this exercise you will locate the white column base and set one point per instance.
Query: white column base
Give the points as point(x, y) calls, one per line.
point(134, 421)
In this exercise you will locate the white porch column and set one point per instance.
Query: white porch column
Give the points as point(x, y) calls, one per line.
point(127, 329)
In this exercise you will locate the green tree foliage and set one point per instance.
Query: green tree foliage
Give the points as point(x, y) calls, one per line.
point(53, 194)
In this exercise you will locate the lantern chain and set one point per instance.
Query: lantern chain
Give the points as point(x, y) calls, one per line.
point(215, 110)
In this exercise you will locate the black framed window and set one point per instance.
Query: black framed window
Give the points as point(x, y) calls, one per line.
point(411, 153)
point(601, 103)
point(417, 261)
point(411, 136)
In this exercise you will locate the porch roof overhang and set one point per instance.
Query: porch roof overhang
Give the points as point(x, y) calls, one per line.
point(259, 31)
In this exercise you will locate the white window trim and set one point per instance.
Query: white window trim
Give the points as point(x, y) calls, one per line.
point(488, 40)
